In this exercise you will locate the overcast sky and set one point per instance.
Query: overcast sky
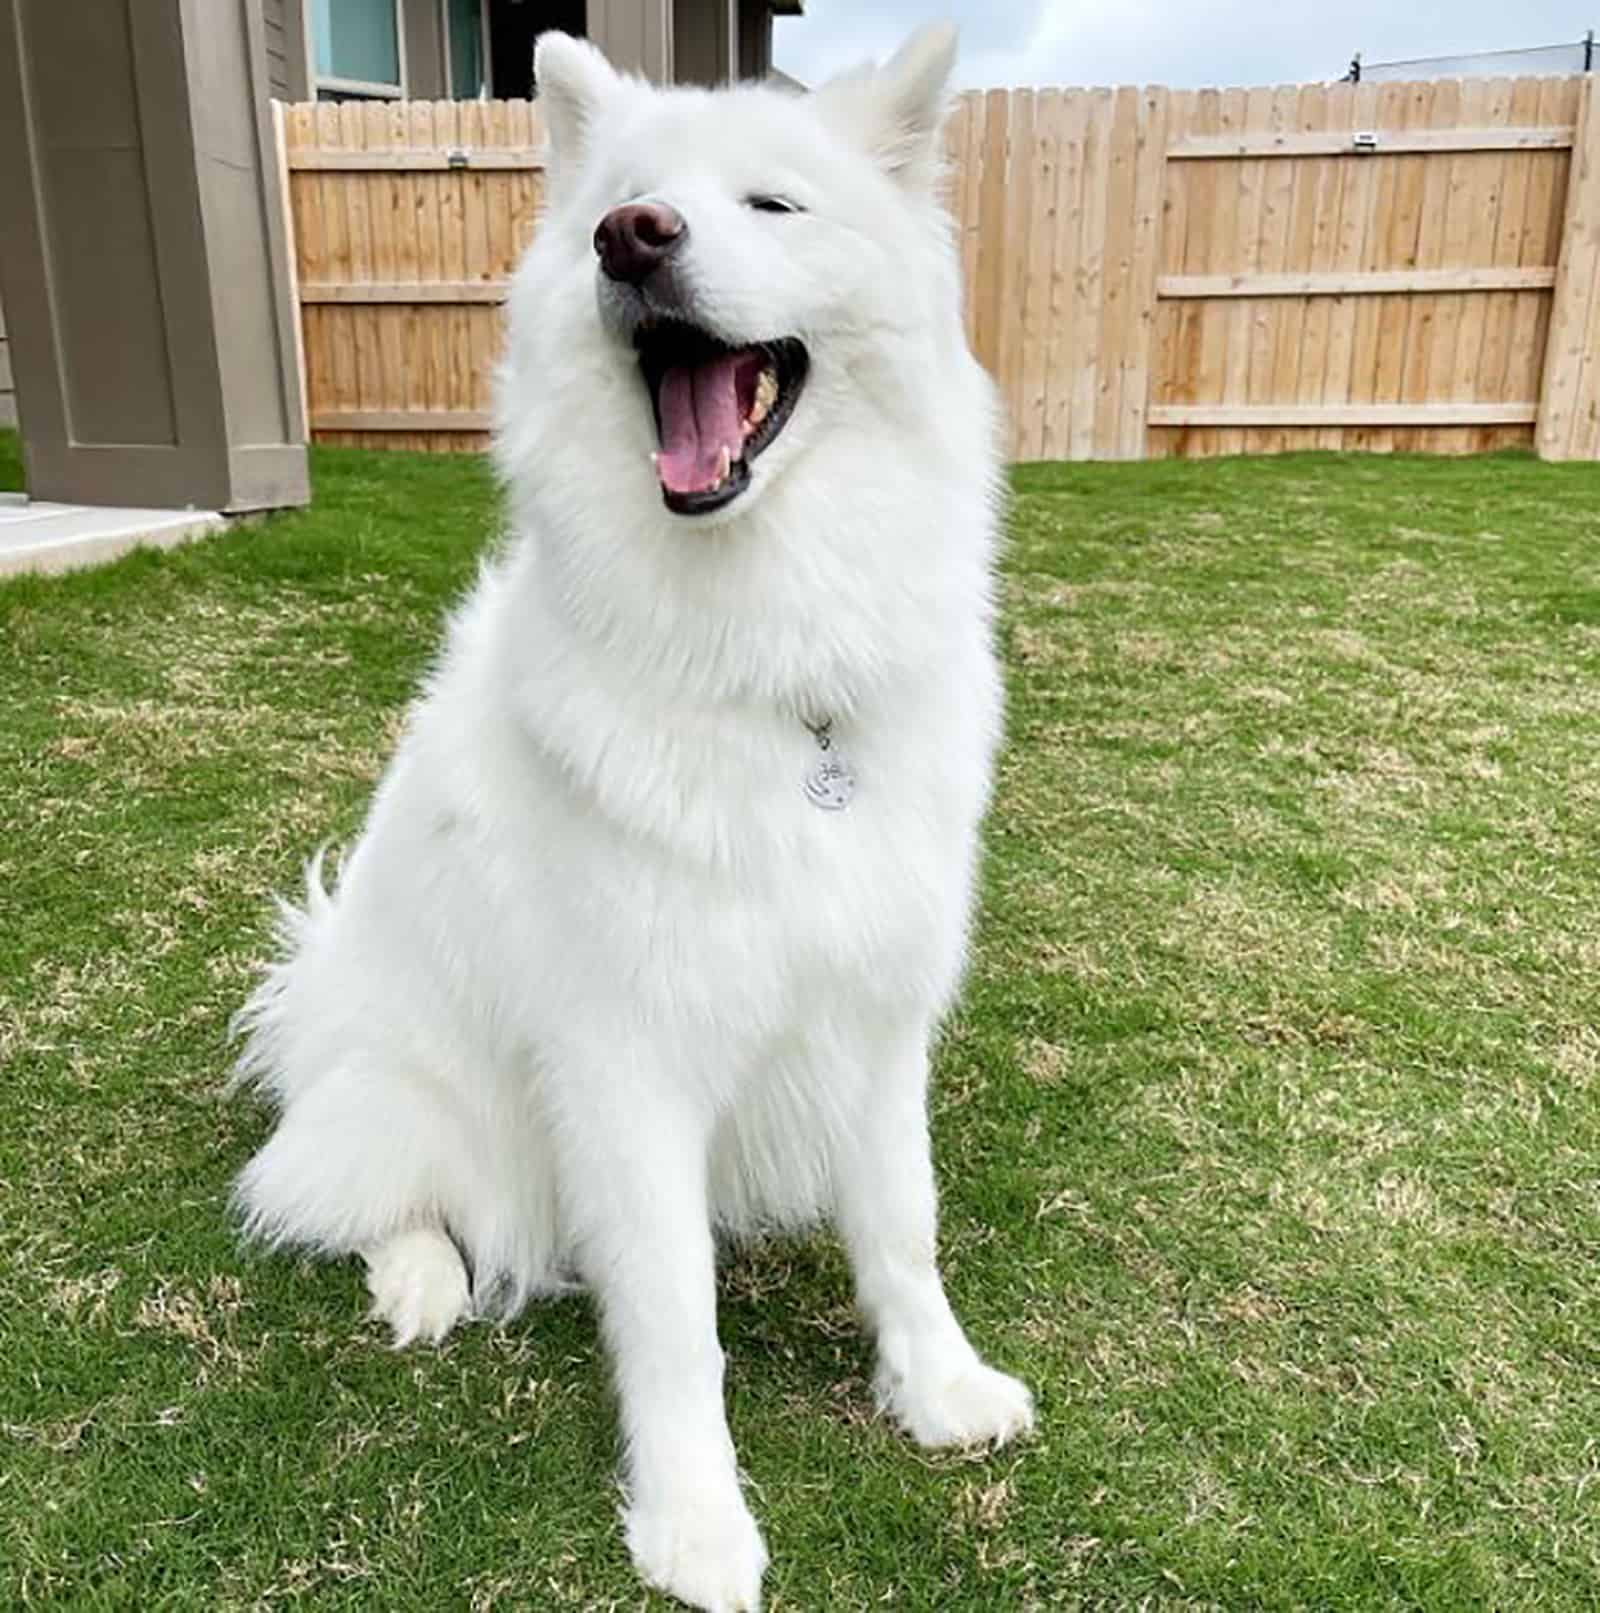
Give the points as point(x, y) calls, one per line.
point(1184, 43)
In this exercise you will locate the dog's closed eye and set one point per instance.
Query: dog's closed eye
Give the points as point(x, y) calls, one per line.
point(773, 204)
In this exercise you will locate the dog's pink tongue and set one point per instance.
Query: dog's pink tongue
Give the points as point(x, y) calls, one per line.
point(699, 418)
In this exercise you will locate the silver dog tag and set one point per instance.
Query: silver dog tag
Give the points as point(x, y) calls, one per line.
point(830, 784)
point(832, 781)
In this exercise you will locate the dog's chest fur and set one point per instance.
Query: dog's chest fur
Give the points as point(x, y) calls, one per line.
point(666, 850)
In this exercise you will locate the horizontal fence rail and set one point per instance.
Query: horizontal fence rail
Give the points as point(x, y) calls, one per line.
point(1359, 142)
point(1148, 272)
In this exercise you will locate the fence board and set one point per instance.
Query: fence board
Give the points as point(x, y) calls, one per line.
point(1021, 162)
point(1244, 336)
point(1091, 276)
point(1316, 224)
point(990, 269)
point(1348, 371)
point(1213, 216)
point(1066, 301)
point(1150, 163)
point(1268, 317)
point(1522, 106)
point(970, 179)
point(1038, 274)
point(1466, 182)
point(1476, 331)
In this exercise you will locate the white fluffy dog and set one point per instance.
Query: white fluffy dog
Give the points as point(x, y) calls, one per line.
point(667, 886)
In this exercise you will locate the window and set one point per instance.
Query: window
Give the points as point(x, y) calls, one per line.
point(512, 32)
point(355, 47)
point(466, 32)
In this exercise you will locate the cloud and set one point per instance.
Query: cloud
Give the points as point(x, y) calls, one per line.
point(1015, 42)
point(836, 34)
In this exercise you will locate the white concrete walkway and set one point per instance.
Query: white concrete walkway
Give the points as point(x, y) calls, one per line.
point(63, 537)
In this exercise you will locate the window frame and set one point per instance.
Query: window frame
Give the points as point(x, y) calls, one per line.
point(368, 88)
point(486, 44)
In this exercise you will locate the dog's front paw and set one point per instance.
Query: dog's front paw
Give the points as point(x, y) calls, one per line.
point(708, 1554)
point(418, 1285)
point(973, 1405)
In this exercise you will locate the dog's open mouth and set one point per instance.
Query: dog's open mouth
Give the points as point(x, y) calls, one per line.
point(717, 407)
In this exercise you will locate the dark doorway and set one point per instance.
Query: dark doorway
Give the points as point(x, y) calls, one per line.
point(513, 27)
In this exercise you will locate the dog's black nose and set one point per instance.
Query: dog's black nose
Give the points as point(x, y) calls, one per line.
point(634, 240)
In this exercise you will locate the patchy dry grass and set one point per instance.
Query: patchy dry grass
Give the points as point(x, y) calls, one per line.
point(1269, 1127)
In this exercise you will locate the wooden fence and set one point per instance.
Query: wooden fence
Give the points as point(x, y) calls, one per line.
point(407, 219)
point(1148, 272)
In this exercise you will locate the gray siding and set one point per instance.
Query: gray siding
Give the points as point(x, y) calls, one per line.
point(277, 49)
point(705, 41)
point(688, 41)
point(285, 27)
point(636, 35)
point(755, 38)
point(425, 50)
point(149, 316)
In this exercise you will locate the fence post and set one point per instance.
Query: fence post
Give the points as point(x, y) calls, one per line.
point(1569, 401)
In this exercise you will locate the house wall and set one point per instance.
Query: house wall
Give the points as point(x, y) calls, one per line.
point(234, 160)
point(755, 38)
point(705, 40)
point(636, 35)
point(277, 48)
point(423, 21)
point(287, 75)
point(149, 329)
point(288, 61)
point(689, 41)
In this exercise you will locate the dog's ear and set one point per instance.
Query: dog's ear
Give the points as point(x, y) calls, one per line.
point(573, 83)
point(897, 110)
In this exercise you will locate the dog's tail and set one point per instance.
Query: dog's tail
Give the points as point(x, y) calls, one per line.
point(255, 1024)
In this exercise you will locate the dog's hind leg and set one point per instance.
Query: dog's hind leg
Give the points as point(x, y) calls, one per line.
point(371, 1163)
point(419, 1284)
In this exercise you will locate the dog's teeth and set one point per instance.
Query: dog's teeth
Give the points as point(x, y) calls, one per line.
point(766, 396)
point(724, 465)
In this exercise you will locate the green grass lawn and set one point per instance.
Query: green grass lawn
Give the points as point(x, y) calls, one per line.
point(11, 477)
point(1268, 1131)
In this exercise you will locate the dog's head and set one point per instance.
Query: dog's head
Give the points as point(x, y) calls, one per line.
point(725, 281)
